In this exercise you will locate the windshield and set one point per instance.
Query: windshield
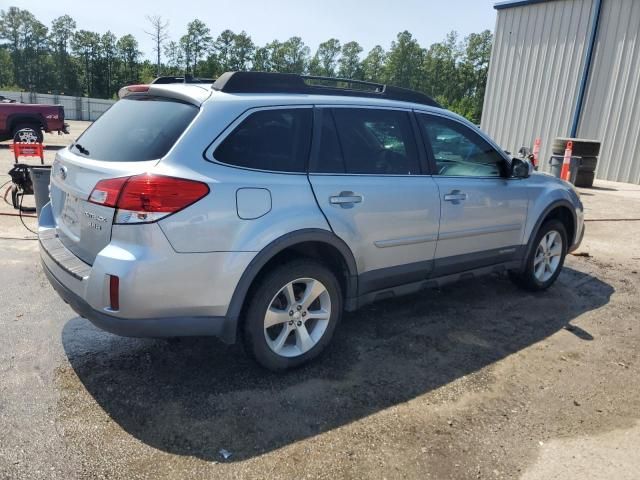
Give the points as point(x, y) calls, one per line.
point(136, 129)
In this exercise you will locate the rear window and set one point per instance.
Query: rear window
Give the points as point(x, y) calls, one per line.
point(136, 129)
point(276, 140)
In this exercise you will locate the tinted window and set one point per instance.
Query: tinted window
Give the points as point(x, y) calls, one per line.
point(376, 141)
point(459, 151)
point(136, 129)
point(275, 140)
point(330, 158)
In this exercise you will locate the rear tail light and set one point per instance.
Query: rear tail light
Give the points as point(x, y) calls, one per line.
point(106, 191)
point(147, 198)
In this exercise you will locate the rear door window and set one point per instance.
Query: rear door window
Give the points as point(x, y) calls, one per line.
point(376, 141)
point(276, 140)
point(136, 129)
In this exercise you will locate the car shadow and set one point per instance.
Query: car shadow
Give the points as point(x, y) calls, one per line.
point(196, 396)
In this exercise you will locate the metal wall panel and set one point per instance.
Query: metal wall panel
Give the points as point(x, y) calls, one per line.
point(534, 73)
point(612, 104)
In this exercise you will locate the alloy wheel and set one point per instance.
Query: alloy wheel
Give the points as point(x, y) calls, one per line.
point(297, 317)
point(548, 256)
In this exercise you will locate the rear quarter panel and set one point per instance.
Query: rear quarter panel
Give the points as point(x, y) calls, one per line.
point(213, 223)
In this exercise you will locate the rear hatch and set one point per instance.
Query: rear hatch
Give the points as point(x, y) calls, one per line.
point(128, 139)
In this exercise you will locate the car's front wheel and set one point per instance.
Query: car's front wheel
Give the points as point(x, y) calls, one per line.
point(292, 315)
point(545, 259)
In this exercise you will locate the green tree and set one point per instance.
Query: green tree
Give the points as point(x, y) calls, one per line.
point(403, 61)
point(129, 56)
point(223, 49)
point(35, 52)
point(174, 54)
point(65, 75)
point(195, 43)
point(242, 51)
point(349, 63)
point(326, 58)
point(294, 54)
point(86, 45)
point(11, 27)
point(109, 49)
point(474, 71)
point(72, 61)
point(373, 65)
point(278, 60)
point(6, 68)
point(440, 71)
point(261, 60)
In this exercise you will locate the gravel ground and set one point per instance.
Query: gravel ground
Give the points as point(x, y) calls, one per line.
point(477, 380)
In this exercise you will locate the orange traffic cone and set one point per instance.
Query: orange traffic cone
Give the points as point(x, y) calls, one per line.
point(566, 163)
point(536, 152)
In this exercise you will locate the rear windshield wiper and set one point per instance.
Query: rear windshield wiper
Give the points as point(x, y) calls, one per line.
point(81, 149)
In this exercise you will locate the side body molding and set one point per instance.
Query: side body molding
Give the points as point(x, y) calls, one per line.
point(270, 251)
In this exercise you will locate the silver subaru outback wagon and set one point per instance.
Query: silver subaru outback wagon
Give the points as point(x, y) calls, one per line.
point(260, 206)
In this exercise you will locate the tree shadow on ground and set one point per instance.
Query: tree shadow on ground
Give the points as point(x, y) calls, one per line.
point(196, 396)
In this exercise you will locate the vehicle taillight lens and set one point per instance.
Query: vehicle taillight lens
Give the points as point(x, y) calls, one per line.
point(106, 192)
point(147, 198)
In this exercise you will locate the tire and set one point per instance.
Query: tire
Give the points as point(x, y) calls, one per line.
point(266, 344)
point(529, 279)
point(584, 179)
point(31, 133)
point(581, 148)
point(588, 164)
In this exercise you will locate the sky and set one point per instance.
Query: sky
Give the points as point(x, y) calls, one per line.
point(369, 22)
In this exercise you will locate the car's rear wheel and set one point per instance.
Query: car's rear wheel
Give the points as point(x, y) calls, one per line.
point(293, 314)
point(545, 261)
point(27, 133)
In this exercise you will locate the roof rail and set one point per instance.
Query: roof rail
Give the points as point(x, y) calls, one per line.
point(267, 82)
point(184, 79)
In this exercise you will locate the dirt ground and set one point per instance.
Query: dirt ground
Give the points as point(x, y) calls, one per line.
point(477, 380)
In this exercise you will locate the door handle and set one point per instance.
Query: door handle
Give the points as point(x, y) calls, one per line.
point(455, 197)
point(345, 199)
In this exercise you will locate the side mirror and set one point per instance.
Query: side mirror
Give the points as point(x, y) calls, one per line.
point(520, 168)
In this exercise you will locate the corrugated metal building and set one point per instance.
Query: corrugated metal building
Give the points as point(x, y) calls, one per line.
point(568, 68)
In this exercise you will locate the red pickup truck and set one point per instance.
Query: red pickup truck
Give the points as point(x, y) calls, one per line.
point(25, 122)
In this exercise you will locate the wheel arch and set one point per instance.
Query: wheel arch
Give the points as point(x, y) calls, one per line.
point(561, 210)
point(17, 118)
point(312, 243)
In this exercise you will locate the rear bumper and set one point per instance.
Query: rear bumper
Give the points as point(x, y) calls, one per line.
point(161, 293)
point(146, 327)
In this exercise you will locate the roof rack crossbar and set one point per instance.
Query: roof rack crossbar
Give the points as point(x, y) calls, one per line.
point(267, 82)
